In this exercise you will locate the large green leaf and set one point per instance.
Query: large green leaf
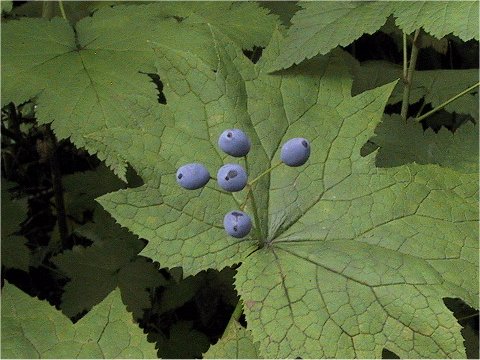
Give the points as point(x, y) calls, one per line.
point(323, 25)
point(349, 258)
point(32, 328)
point(93, 76)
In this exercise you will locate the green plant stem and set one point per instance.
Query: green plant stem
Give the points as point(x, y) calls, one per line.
point(254, 207)
point(468, 317)
point(47, 9)
point(408, 79)
point(445, 103)
point(405, 65)
point(237, 312)
point(57, 189)
point(264, 173)
point(62, 10)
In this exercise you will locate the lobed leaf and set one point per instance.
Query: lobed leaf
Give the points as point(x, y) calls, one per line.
point(346, 259)
point(98, 69)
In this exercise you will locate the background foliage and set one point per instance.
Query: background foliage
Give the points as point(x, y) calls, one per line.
point(370, 250)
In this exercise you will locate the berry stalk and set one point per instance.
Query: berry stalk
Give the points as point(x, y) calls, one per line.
point(264, 173)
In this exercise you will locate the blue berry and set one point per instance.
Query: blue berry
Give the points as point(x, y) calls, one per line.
point(232, 177)
point(192, 176)
point(295, 152)
point(237, 224)
point(234, 142)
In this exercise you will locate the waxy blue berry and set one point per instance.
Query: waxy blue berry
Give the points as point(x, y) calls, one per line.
point(232, 177)
point(192, 176)
point(234, 142)
point(295, 152)
point(237, 224)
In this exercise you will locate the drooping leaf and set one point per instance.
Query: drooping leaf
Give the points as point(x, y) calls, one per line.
point(323, 25)
point(401, 143)
point(345, 259)
point(236, 343)
point(99, 71)
point(15, 253)
point(436, 86)
point(439, 18)
point(32, 328)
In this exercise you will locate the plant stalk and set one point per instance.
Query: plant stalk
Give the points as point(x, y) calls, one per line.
point(62, 10)
point(264, 173)
point(445, 103)
point(409, 73)
point(254, 207)
point(57, 188)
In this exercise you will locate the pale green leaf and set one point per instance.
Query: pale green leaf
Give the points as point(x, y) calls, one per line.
point(32, 328)
point(346, 259)
point(95, 77)
point(236, 343)
point(323, 25)
point(435, 86)
point(401, 143)
point(15, 253)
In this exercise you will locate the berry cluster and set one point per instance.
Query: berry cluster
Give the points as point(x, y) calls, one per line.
point(233, 177)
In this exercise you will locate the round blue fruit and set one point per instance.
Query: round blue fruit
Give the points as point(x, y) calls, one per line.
point(234, 142)
point(295, 152)
point(192, 176)
point(237, 224)
point(232, 177)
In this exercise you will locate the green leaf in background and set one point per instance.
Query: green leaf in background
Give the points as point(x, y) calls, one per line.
point(32, 328)
point(401, 143)
point(15, 253)
point(94, 271)
point(236, 343)
point(323, 25)
point(182, 339)
point(355, 258)
point(98, 72)
point(436, 86)
point(6, 6)
point(81, 189)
